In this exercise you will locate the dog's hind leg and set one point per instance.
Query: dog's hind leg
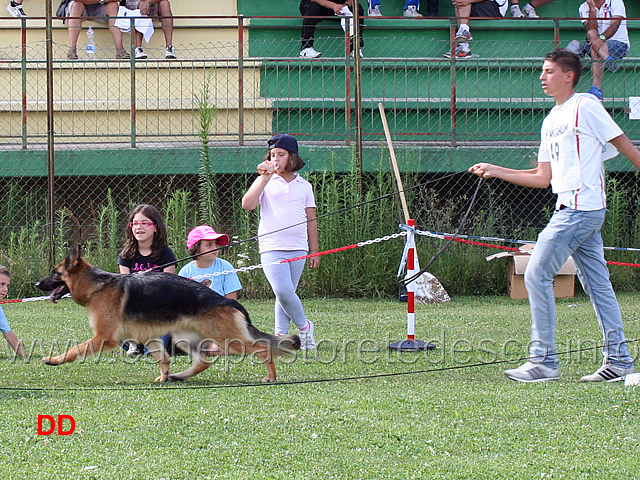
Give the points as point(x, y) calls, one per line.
point(262, 350)
point(200, 364)
point(95, 345)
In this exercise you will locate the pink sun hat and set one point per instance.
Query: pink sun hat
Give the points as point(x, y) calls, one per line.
point(205, 232)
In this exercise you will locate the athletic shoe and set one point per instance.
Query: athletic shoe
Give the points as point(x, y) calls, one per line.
point(463, 35)
point(529, 11)
point(310, 52)
point(608, 373)
point(533, 373)
point(307, 342)
point(411, 12)
point(462, 51)
point(596, 92)
point(170, 53)
point(133, 349)
point(140, 55)
point(361, 55)
point(516, 12)
point(375, 11)
point(16, 10)
point(575, 46)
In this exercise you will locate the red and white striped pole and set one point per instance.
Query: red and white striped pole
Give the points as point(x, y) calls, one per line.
point(411, 344)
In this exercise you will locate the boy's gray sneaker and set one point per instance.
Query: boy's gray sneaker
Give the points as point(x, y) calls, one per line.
point(608, 373)
point(532, 373)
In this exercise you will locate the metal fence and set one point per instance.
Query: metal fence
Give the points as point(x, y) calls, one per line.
point(129, 132)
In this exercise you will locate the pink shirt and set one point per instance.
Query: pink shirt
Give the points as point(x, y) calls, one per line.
point(283, 204)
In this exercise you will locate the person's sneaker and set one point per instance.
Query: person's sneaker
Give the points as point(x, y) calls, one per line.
point(596, 92)
point(15, 9)
point(307, 342)
point(516, 12)
point(140, 55)
point(170, 53)
point(462, 51)
point(608, 373)
point(575, 46)
point(72, 54)
point(133, 349)
point(529, 11)
point(375, 11)
point(360, 52)
point(463, 35)
point(411, 12)
point(122, 54)
point(533, 373)
point(310, 52)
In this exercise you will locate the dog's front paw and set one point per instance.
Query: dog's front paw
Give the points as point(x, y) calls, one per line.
point(268, 379)
point(51, 360)
point(161, 378)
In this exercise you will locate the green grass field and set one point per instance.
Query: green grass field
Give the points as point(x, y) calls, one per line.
point(414, 415)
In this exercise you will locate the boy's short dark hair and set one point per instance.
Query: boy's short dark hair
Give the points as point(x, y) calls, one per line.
point(4, 271)
point(568, 62)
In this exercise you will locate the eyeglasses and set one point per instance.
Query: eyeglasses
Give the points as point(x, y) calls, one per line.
point(143, 224)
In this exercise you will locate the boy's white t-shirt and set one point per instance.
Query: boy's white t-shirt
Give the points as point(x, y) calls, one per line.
point(573, 138)
point(604, 14)
point(283, 211)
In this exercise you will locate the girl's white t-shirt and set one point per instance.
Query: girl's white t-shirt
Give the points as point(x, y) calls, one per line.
point(283, 211)
point(574, 140)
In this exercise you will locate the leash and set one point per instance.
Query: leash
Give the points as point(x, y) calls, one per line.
point(163, 387)
point(407, 281)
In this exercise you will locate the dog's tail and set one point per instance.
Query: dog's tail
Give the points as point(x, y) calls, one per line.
point(279, 344)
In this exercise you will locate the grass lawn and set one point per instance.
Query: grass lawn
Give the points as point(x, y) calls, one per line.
point(433, 415)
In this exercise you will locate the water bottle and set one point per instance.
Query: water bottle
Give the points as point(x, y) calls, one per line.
point(90, 47)
point(266, 167)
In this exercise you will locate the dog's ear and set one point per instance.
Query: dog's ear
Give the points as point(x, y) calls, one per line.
point(73, 256)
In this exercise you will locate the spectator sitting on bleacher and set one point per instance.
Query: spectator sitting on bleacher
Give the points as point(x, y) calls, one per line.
point(323, 8)
point(529, 10)
point(154, 8)
point(473, 8)
point(607, 38)
point(97, 11)
point(15, 9)
point(411, 8)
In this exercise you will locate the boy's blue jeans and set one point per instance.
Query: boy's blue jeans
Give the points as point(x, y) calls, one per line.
point(573, 233)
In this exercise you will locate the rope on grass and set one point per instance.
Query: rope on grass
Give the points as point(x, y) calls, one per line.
point(30, 299)
point(297, 382)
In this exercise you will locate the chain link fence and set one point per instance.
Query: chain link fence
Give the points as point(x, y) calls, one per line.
point(185, 135)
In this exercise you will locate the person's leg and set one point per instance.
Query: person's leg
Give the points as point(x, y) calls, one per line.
point(537, 3)
point(594, 276)
point(310, 9)
point(74, 26)
point(598, 56)
point(617, 51)
point(111, 10)
point(551, 252)
point(284, 278)
point(164, 10)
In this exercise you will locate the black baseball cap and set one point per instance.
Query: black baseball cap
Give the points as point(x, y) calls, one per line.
point(283, 141)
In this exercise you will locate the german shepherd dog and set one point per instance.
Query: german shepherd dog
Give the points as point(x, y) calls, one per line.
point(143, 306)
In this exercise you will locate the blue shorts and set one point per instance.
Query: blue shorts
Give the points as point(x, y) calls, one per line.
point(617, 50)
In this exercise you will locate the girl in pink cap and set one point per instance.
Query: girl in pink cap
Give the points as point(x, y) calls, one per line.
point(204, 241)
point(287, 230)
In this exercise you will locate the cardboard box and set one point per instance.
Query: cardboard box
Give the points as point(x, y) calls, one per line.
point(563, 283)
